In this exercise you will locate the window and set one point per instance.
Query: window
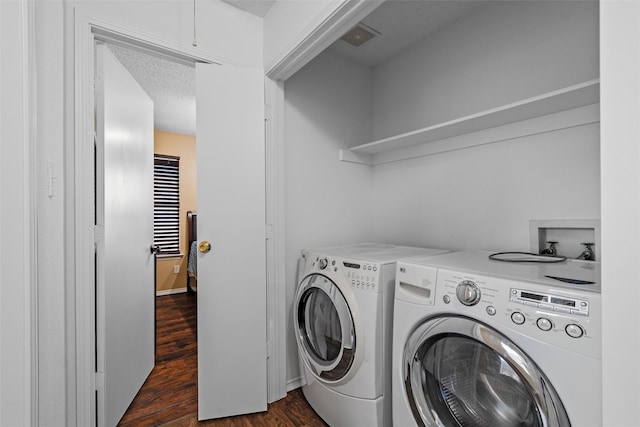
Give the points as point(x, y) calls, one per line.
point(166, 203)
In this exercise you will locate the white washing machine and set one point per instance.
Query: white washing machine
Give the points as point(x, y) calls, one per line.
point(342, 315)
point(478, 342)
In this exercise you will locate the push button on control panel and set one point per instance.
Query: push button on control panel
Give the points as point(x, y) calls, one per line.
point(362, 276)
point(574, 331)
point(517, 318)
point(544, 324)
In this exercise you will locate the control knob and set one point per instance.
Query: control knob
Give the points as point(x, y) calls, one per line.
point(322, 263)
point(468, 293)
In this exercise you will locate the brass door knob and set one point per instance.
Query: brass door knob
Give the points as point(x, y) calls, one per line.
point(204, 246)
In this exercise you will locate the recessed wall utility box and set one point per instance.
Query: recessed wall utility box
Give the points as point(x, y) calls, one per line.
point(570, 234)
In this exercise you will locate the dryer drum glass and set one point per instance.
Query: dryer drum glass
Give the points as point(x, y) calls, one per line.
point(325, 328)
point(322, 326)
point(466, 383)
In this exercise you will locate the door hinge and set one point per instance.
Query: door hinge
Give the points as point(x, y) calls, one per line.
point(98, 380)
point(268, 234)
point(267, 112)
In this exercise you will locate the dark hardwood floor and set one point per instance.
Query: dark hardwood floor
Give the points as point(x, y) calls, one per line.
point(169, 397)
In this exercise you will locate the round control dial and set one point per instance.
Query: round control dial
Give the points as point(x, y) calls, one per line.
point(574, 331)
point(322, 263)
point(468, 293)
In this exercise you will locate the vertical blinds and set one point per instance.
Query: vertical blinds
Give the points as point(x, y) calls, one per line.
point(166, 203)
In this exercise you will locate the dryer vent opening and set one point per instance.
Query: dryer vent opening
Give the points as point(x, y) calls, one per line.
point(359, 35)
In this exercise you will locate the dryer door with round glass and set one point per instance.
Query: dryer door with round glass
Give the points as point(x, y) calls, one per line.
point(461, 372)
point(324, 328)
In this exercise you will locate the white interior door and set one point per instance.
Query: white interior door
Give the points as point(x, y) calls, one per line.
point(125, 288)
point(232, 365)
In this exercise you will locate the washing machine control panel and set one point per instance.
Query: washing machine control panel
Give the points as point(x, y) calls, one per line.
point(567, 319)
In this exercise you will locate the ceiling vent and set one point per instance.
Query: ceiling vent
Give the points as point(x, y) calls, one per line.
point(359, 35)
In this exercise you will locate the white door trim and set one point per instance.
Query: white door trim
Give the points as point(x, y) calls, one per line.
point(18, 248)
point(82, 244)
point(276, 274)
point(80, 195)
point(337, 19)
point(620, 209)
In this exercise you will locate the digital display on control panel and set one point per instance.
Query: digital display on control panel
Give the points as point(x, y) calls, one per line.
point(536, 297)
point(561, 301)
point(551, 302)
point(351, 265)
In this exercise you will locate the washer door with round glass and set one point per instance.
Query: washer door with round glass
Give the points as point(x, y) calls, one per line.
point(460, 372)
point(325, 329)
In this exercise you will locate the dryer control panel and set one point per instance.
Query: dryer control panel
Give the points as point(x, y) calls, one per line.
point(363, 276)
point(360, 275)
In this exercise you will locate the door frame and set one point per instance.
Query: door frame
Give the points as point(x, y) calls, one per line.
point(81, 239)
point(326, 29)
point(20, 185)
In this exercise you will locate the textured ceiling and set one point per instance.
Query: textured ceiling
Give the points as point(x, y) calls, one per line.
point(401, 24)
point(171, 87)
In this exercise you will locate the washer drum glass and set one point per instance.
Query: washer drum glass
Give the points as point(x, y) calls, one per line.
point(460, 372)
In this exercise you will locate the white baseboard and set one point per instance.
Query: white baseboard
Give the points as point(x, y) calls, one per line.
point(171, 291)
point(294, 384)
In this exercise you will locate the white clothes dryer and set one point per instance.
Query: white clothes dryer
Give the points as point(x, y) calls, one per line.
point(479, 342)
point(342, 316)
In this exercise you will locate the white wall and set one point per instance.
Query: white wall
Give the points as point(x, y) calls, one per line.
point(224, 32)
point(327, 202)
point(620, 103)
point(484, 197)
point(499, 53)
